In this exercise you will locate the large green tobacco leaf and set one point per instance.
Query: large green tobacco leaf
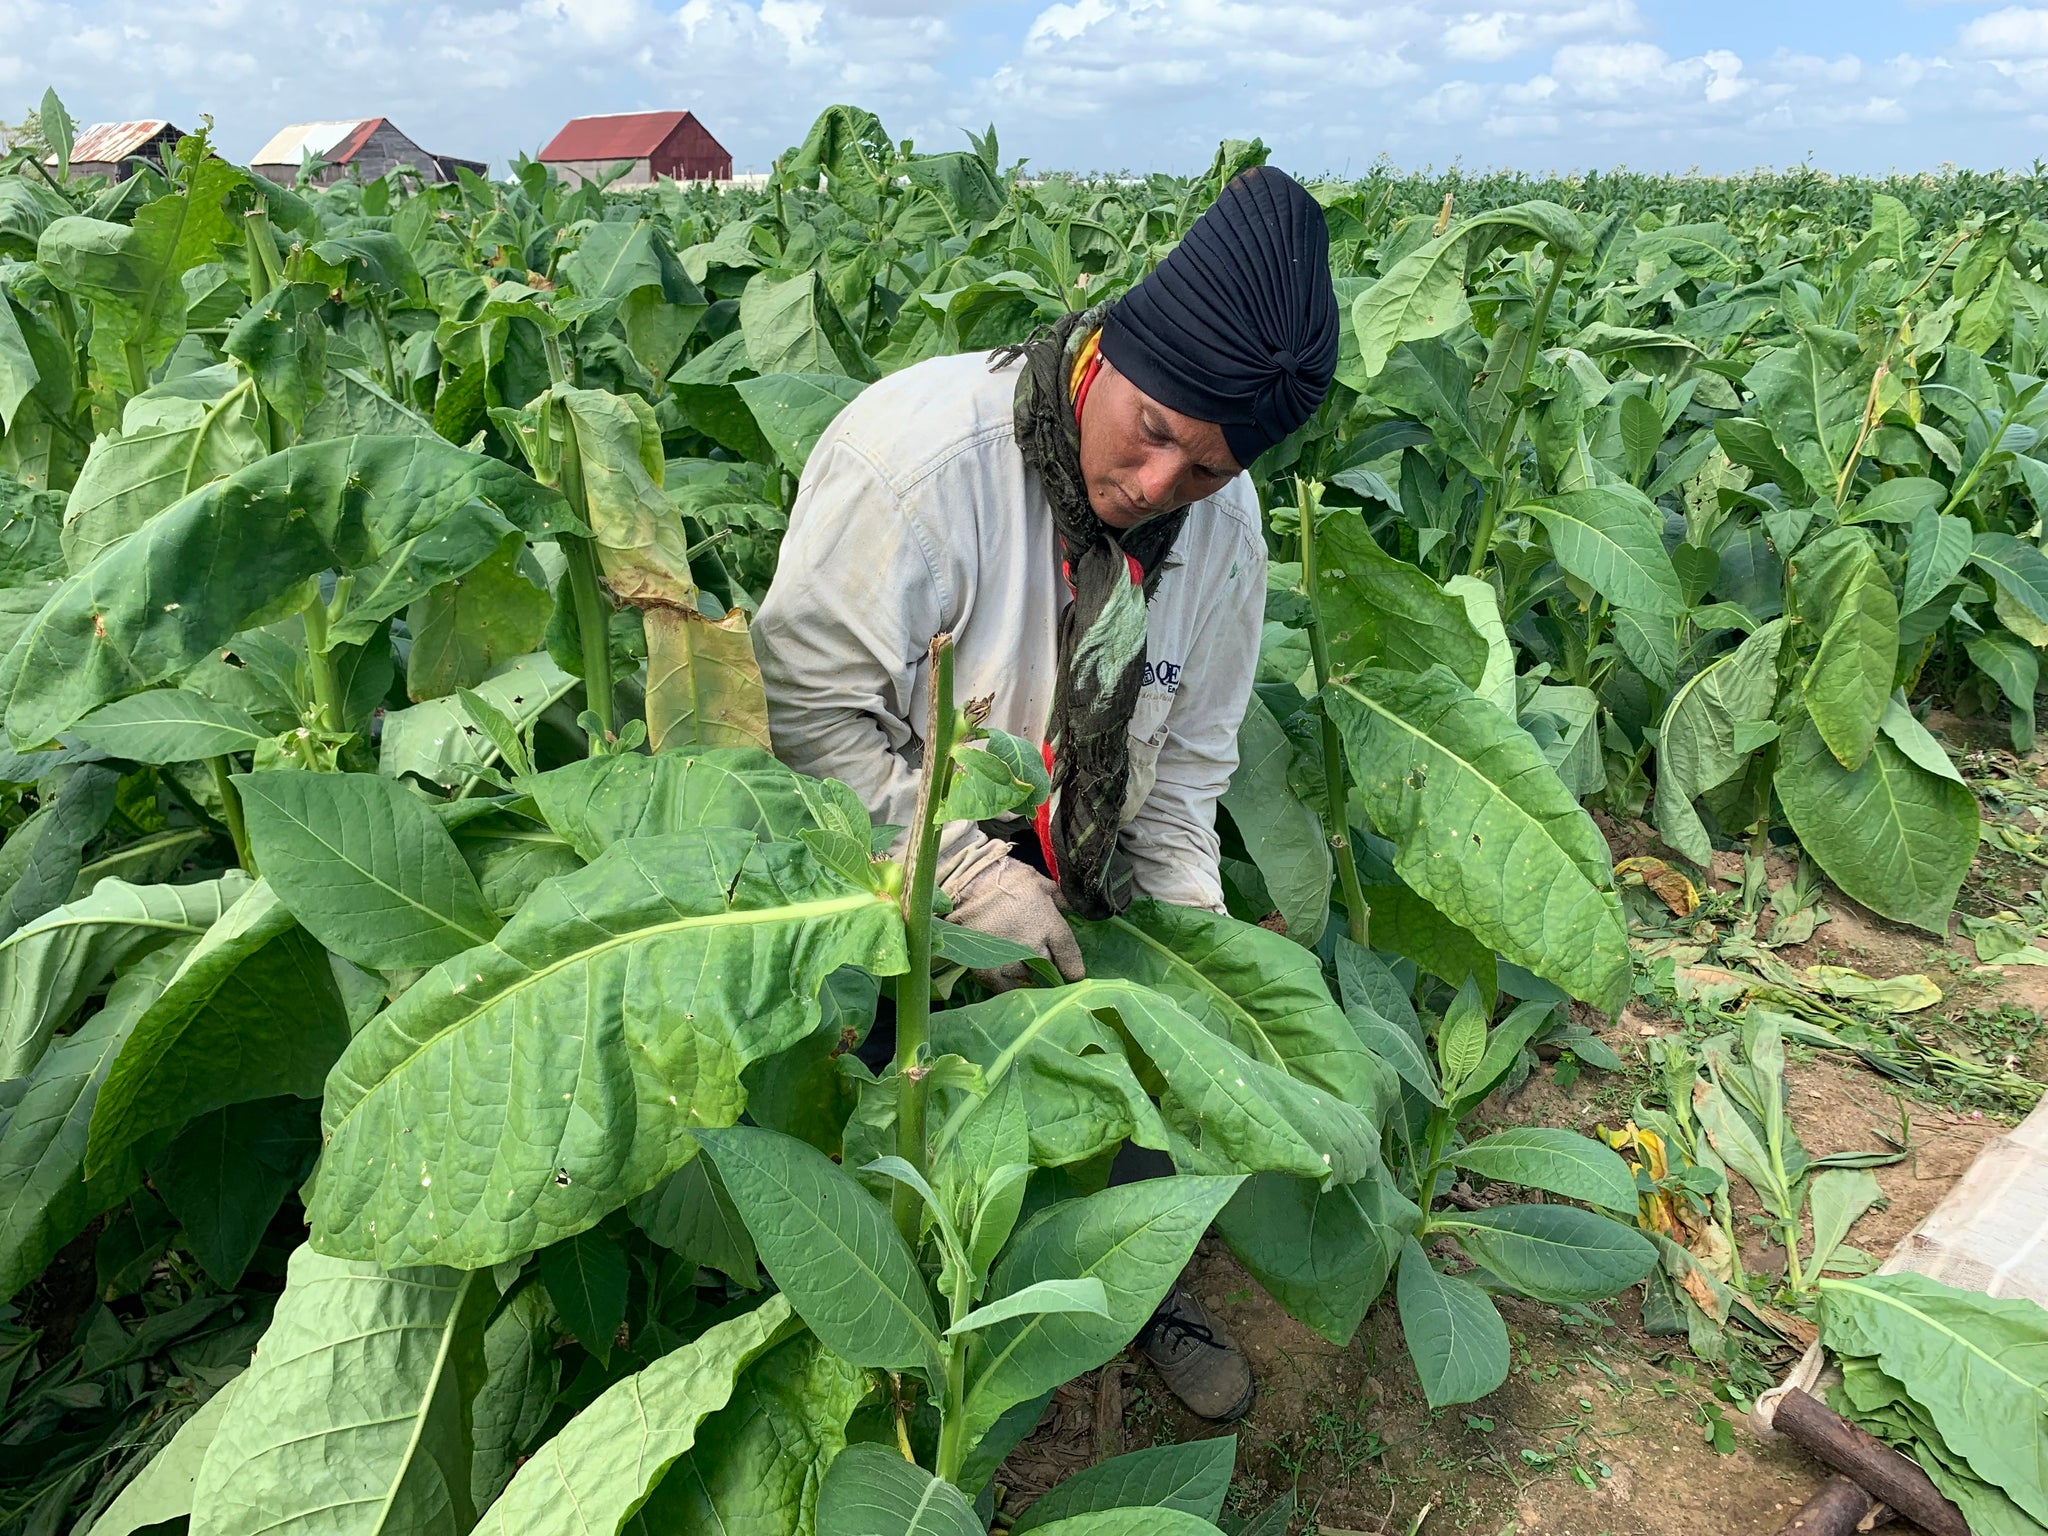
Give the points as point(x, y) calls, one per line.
point(1496, 684)
point(1229, 1112)
point(1134, 1238)
point(354, 1416)
point(1398, 1042)
point(1263, 994)
point(1555, 1253)
point(1427, 380)
point(42, 859)
point(1844, 593)
point(521, 1378)
point(161, 1493)
point(1697, 748)
point(1977, 1366)
point(600, 1468)
point(365, 866)
point(45, 1197)
point(1558, 1161)
point(1192, 1477)
point(690, 1213)
point(1837, 1201)
point(1233, 1113)
point(49, 967)
point(190, 579)
point(609, 1020)
point(1750, 445)
point(1937, 548)
point(1084, 1098)
point(585, 1276)
point(792, 326)
point(1612, 538)
point(2019, 568)
point(170, 725)
point(1893, 835)
point(1284, 837)
point(175, 438)
point(634, 267)
point(759, 1461)
point(251, 1013)
point(226, 1174)
point(1405, 924)
point(1811, 395)
point(30, 551)
point(19, 374)
point(1422, 294)
point(2016, 667)
point(803, 1090)
point(794, 409)
point(129, 273)
point(1323, 1254)
point(1483, 828)
point(873, 1491)
point(1455, 1337)
point(439, 741)
point(831, 1247)
point(465, 629)
point(282, 341)
point(1379, 611)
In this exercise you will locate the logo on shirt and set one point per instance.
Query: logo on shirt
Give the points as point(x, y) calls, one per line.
point(1163, 674)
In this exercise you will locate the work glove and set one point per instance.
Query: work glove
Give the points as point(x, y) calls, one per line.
point(1007, 899)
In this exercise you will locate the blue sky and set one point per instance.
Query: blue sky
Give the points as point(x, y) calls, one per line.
point(1095, 84)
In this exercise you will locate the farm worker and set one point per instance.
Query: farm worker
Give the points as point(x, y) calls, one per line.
point(1075, 511)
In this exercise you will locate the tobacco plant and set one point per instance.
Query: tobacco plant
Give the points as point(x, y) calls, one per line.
point(412, 959)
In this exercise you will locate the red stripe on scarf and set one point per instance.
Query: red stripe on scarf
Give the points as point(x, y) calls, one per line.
point(1041, 821)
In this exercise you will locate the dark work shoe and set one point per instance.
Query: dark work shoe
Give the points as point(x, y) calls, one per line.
point(1197, 1358)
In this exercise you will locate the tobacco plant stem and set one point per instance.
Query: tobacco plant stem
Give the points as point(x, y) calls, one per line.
point(138, 367)
point(320, 663)
point(953, 1415)
point(1336, 819)
point(264, 273)
point(914, 987)
point(231, 803)
point(593, 623)
point(384, 339)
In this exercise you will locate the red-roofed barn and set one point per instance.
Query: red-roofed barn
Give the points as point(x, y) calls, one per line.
point(653, 144)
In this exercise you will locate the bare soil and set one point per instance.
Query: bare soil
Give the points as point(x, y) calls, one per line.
point(1600, 1429)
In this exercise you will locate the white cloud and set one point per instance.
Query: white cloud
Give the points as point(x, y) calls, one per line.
point(1493, 36)
point(2016, 31)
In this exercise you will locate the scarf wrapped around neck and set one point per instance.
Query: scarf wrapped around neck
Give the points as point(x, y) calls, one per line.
point(1101, 647)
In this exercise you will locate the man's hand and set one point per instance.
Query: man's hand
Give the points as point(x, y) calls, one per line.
point(1011, 900)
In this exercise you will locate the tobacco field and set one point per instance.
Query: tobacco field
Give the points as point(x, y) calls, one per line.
point(428, 1095)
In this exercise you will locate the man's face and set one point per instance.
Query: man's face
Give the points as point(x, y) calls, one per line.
point(1141, 459)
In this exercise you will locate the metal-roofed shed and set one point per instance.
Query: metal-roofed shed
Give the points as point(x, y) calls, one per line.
point(364, 148)
point(115, 149)
point(652, 144)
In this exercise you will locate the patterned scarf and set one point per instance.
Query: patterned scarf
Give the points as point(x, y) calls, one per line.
point(1111, 577)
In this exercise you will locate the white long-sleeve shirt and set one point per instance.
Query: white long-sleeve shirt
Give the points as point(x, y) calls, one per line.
point(916, 515)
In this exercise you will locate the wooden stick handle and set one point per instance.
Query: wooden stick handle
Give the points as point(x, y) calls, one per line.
point(1869, 1462)
point(1839, 1509)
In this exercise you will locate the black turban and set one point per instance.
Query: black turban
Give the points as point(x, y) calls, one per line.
point(1238, 325)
